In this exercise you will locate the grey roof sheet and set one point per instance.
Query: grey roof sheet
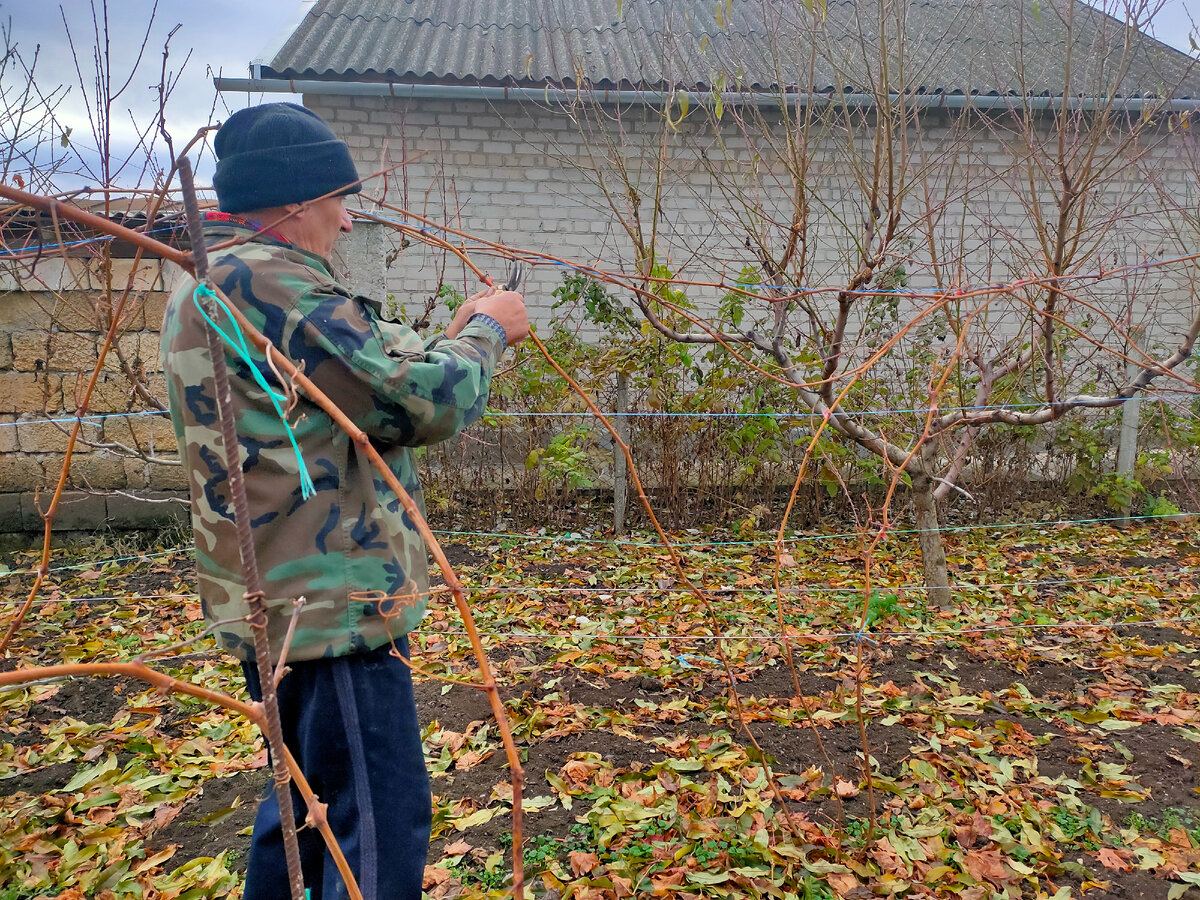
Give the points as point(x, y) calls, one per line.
point(954, 46)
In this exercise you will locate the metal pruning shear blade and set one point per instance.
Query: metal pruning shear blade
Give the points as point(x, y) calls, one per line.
point(516, 275)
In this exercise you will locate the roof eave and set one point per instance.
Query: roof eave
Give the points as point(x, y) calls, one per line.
point(442, 91)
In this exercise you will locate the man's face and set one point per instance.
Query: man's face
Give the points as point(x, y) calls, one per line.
point(316, 227)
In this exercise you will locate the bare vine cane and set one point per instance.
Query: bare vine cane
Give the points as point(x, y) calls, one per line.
point(255, 597)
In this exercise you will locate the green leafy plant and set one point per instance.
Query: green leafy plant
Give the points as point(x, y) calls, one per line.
point(565, 459)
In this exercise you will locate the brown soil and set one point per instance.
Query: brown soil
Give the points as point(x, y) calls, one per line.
point(219, 819)
point(1158, 757)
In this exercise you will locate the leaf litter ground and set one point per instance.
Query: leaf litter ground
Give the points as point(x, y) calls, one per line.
point(1007, 756)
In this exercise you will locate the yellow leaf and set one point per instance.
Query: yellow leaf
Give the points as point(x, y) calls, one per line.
point(479, 817)
point(157, 859)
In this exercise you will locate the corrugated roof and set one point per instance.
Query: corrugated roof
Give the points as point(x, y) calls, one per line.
point(968, 46)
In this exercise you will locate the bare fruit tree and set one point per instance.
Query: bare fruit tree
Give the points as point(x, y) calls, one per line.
point(983, 255)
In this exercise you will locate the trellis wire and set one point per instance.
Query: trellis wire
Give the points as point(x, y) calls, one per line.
point(1121, 271)
point(577, 634)
point(40, 250)
point(654, 414)
point(582, 539)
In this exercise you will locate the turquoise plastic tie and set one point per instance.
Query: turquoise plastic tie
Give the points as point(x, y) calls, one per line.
point(240, 347)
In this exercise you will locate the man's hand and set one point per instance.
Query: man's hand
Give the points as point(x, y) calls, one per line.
point(463, 314)
point(507, 308)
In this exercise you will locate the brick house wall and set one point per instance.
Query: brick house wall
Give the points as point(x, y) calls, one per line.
point(503, 171)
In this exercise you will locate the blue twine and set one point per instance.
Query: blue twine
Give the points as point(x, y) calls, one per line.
point(62, 245)
point(683, 658)
point(239, 346)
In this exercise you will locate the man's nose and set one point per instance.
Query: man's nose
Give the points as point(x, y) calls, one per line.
point(347, 222)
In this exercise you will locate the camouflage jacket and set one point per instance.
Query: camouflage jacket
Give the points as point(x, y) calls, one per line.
point(351, 536)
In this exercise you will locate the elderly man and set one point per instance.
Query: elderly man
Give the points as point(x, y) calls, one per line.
point(325, 525)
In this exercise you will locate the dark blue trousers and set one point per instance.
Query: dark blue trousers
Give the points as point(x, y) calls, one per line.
point(351, 723)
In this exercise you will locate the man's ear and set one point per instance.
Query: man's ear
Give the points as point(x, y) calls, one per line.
point(295, 210)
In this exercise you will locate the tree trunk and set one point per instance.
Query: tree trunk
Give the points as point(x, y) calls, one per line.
point(933, 553)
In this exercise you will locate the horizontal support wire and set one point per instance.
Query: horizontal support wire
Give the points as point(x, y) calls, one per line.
point(492, 590)
point(90, 419)
point(39, 250)
point(941, 634)
point(583, 539)
point(656, 414)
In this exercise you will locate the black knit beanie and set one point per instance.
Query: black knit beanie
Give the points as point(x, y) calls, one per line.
point(276, 154)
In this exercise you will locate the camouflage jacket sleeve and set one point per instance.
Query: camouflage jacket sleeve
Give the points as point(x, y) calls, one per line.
point(401, 390)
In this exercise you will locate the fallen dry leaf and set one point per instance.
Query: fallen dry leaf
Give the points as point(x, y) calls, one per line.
point(582, 863)
point(842, 882)
point(434, 875)
point(622, 886)
point(165, 815)
point(580, 771)
point(666, 881)
point(1113, 859)
point(889, 860)
point(845, 788)
point(987, 865)
point(470, 759)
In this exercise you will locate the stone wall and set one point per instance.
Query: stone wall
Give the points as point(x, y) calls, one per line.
point(125, 471)
point(50, 337)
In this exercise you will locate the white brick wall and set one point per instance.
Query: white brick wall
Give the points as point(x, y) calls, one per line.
point(511, 172)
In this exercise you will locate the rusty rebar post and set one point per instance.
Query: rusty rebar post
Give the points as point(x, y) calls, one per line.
point(255, 597)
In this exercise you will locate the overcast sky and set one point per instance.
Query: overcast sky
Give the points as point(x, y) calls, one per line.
point(221, 36)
